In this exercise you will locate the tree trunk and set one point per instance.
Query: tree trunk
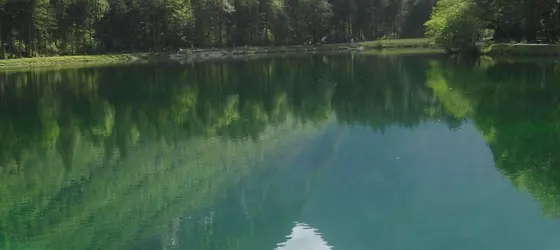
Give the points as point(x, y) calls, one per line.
point(46, 42)
point(530, 24)
point(2, 53)
point(266, 24)
point(220, 36)
point(30, 31)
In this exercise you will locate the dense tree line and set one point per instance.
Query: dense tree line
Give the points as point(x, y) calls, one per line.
point(518, 20)
point(39, 27)
point(456, 25)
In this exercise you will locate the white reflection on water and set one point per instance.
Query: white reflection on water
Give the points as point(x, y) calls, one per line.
point(304, 237)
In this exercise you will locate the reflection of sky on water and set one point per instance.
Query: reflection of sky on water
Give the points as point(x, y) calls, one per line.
point(304, 237)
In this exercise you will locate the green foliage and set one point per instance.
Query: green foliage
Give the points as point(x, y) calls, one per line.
point(455, 25)
point(511, 20)
point(63, 27)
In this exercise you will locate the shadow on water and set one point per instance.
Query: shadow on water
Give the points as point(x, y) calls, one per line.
point(224, 155)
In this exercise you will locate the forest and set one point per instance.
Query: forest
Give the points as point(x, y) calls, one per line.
point(457, 25)
point(66, 27)
point(30, 28)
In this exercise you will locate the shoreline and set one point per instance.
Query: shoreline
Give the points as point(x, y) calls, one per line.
point(378, 47)
point(519, 49)
point(192, 55)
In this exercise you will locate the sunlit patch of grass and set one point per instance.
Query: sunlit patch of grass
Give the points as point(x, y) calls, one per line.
point(66, 60)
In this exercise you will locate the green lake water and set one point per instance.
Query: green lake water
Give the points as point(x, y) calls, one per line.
point(309, 152)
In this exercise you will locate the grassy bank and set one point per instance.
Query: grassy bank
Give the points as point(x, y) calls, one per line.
point(201, 54)
point(519, 49)
point(60, 60)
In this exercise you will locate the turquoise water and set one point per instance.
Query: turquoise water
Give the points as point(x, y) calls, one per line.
point(342, 151)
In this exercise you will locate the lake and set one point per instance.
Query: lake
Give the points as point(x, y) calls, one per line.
point(303, 152)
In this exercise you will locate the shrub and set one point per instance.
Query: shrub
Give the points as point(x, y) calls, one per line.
point(455, 25)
